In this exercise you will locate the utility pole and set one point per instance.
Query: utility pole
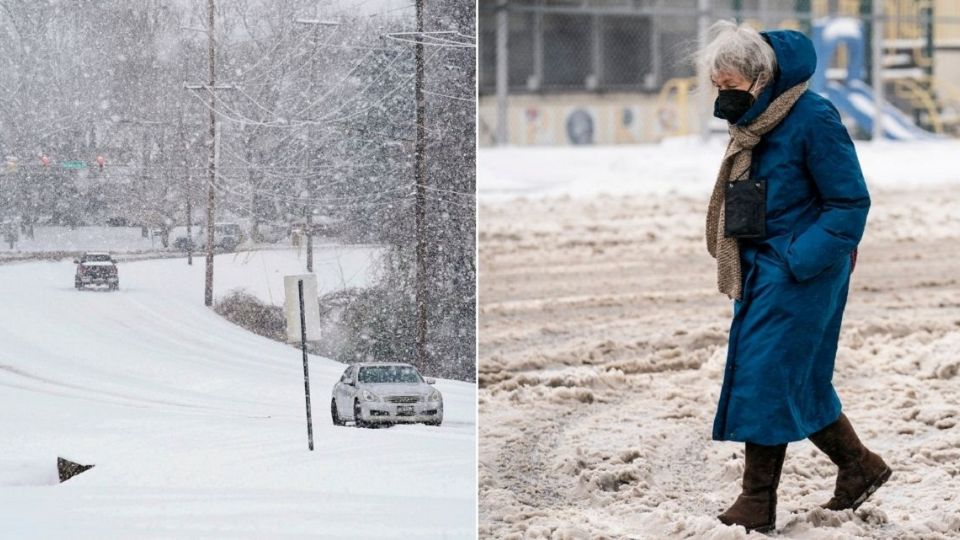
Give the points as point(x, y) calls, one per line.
point(421, 198)
point(214, 144)
point(703, 78)
point(876, 35)
point(308, 207)
point(502, 73)
point(142, 184)
point(208, 284)
point(188, 179)
point(212, 163)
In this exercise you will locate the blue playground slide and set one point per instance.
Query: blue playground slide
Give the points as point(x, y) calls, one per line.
point(856, 100)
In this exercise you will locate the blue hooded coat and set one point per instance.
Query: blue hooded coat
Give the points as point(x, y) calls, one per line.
point(777, 385)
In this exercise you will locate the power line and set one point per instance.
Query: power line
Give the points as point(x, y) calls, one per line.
point(315, 102)
point(396, 88)
point(324, 119)
point(469, 100)
point(357, 95)
point(294, 51)
point(433, 39)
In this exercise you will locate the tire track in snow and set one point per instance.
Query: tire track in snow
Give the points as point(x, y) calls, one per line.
point(96, 394)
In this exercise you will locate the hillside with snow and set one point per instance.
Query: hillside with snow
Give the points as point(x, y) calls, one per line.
point(195, 426)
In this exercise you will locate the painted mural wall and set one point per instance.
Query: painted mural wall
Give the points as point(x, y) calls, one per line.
point(586, 119)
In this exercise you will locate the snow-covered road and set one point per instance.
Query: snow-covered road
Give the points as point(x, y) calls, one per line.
point(196, 426)
point(602, 343)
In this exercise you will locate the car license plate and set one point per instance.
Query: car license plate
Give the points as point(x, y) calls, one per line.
point(405, 409)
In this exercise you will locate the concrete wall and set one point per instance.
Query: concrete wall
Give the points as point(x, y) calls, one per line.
point(585, 119)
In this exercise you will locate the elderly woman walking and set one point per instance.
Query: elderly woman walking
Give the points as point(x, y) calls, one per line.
point(787, 212)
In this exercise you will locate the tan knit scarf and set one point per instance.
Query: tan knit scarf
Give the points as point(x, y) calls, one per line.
point(736, 162)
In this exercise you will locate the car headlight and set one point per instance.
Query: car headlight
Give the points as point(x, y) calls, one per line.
point(434, 396)
point(367, 395)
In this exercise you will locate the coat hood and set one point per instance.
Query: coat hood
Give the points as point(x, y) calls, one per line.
point(796, 62)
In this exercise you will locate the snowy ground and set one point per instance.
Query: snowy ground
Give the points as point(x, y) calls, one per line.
point(94, 238)
point(257, 268)
point(602, 342)
point(196, 427)
point(681, 166)
point(50, 241)
point(261, 272)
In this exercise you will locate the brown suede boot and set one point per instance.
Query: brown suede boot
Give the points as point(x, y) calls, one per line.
point(756, 507)
point(861, 471)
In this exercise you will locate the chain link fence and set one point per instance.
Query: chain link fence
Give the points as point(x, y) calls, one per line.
point(567, 46)
point(622, 71)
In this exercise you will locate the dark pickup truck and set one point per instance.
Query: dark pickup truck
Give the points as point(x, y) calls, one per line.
point(96, 268)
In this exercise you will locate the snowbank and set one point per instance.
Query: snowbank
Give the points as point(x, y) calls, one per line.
point(114, 239)
point(681, 166)
point(261, 272)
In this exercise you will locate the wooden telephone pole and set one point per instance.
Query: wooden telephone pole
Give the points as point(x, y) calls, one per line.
point(212, 88)
point(308, 207)
point(420, 170)
point(211, 58)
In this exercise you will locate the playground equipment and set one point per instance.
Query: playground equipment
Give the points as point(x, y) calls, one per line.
point(673, 108)
point(846, 89)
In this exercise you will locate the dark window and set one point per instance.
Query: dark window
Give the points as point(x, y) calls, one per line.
point(389, 374)
point(520, 52)
point(488, 49)
point(520, 49)
point(582, 48)
point(96, 257)
point(626, 50)
point(566, 50)
point(676, 49)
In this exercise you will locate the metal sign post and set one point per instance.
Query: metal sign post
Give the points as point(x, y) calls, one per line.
point(306, 369)
point(302, 312)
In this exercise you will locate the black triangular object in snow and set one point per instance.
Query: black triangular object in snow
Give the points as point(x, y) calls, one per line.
point(69, 469)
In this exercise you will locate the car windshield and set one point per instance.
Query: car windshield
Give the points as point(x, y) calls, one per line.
point(96, 257)
point(389, 374)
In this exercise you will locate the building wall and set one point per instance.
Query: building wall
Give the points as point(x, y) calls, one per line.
point(947, 66)
point(946, 55)
point(579, 113)
point(585, 119)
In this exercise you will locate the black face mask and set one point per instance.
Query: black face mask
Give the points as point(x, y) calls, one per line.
point(731, 104)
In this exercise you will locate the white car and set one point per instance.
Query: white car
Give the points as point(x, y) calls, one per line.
point(385, 393)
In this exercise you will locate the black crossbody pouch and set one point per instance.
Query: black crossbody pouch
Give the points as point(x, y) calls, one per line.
point(745, 208)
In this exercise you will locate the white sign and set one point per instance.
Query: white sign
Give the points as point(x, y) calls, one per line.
point(311, 307)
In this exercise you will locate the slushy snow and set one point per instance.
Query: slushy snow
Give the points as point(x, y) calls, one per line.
point(603, 341)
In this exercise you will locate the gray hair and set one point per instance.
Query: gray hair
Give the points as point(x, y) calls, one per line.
point(737, 49)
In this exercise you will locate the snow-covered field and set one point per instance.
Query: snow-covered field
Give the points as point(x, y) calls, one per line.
point(195, 426)
point(258, 269)
point(681, 166)
point(261, 272)
point(602, 342)
point(94, 238)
